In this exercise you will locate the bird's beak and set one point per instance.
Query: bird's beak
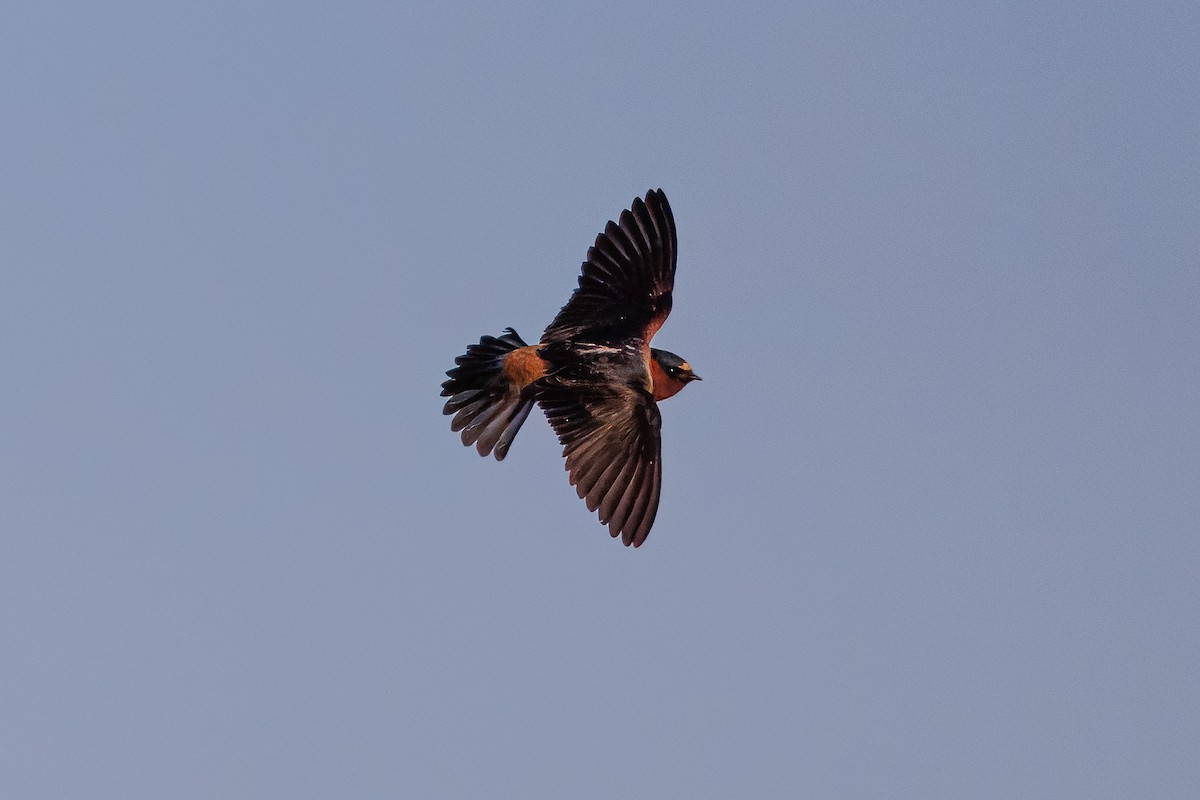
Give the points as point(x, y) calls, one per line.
point(694, 377)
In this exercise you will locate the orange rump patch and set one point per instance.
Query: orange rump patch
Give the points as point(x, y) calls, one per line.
point(523, 366)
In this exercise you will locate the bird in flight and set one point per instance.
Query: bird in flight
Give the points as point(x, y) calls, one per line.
point(593, 373)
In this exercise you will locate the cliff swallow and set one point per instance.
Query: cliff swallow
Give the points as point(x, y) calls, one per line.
point(593, 373)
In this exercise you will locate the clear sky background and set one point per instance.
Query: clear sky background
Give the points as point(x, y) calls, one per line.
point(929, 525)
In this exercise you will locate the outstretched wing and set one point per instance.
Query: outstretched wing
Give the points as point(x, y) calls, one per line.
point(625, 287)
point(613, 449)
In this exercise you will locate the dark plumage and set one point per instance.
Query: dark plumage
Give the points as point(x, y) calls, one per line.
point(594, 373)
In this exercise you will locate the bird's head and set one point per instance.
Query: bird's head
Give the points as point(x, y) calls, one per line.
point(669, 372)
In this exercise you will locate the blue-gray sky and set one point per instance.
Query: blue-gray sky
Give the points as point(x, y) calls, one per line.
point(929, 525)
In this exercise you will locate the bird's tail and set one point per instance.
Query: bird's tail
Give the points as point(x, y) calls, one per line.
point(488, 405)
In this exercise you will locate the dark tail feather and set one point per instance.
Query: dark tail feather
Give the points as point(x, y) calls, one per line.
point(487, 407)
